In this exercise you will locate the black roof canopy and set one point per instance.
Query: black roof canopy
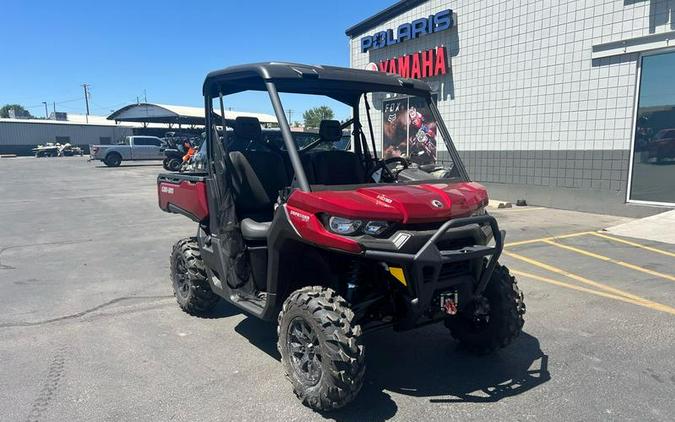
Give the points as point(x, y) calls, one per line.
point(343, 84)
point(381, 17)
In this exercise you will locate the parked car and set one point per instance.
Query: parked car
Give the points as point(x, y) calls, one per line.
point(132, 148)
point(660, 148)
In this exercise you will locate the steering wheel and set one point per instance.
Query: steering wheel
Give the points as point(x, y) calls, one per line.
point(388, 175)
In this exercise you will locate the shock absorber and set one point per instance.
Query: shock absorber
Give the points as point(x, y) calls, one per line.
point(353, 278)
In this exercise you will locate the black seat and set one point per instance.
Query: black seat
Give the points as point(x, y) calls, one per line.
point(258, 178)
point(333, 167)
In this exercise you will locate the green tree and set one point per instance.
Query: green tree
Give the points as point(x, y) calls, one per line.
point(4, 110)
point(314, 116)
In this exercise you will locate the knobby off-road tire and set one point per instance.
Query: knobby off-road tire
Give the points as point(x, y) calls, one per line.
point(505, 320)
point(321, 348)
point(174, 164)
point(189, 280)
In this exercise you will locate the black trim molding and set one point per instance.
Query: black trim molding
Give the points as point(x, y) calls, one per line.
point(383, 16)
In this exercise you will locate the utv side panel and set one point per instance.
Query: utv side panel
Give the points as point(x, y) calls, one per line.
point(183, 194)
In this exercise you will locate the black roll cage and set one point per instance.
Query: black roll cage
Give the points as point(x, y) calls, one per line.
point(342, 84)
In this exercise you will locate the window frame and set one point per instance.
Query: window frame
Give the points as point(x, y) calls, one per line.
point(636, 103)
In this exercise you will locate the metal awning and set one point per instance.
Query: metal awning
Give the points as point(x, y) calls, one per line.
point(182, 115)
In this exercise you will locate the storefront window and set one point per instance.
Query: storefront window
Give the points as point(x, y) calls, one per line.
point(654, 154)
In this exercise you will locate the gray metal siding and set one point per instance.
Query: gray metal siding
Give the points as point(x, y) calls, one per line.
point(31, 134)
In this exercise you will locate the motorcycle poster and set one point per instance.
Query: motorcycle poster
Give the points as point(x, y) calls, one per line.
point(409, 130)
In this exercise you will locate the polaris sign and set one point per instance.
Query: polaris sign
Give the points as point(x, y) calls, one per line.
point(409, 31)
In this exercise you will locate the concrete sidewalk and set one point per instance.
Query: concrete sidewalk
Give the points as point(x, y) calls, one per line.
point(659, 228)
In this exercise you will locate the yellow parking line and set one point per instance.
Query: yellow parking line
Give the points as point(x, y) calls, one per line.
point(650, 305)
point(564, 236)
point(612, 260)
point(637, 245)
point(575, 277)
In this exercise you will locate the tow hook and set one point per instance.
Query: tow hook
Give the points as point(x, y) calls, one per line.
point(449, 302)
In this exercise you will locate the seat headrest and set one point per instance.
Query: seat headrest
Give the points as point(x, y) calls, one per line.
point(329, 130)
point(247, 128)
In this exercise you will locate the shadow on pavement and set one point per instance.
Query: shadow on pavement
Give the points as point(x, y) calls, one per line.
point(222, 310)
point(426, 363)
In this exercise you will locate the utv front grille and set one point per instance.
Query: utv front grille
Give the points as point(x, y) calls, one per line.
point(448, 271)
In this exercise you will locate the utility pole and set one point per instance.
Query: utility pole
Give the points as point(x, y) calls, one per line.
point(290, 117)
point(54, 108)
point(86, 99)
point(145, 97)
point(46, 112)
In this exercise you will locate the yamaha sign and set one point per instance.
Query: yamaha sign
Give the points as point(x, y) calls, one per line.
point(441, 21)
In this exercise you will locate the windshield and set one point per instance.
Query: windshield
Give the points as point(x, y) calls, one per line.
point(391, 129)
point(408, 129)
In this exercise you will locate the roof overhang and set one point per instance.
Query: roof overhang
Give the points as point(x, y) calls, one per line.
point(162, 113)
point(384, 16)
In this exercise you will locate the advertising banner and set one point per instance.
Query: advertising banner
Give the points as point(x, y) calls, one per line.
point(409, 130)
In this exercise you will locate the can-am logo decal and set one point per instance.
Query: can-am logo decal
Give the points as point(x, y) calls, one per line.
point(419, 65)
point(441, 21)
point(436, 203)
point(166, 189)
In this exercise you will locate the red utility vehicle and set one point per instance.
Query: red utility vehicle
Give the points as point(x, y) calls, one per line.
point(331, 242)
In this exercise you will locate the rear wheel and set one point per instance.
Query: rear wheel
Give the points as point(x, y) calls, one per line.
point(321, 348)
point(498, 322)
point(113, 160)
point(188, 276)
point(174, 164)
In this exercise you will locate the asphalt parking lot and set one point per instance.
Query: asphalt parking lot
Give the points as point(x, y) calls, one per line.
point(89, 329)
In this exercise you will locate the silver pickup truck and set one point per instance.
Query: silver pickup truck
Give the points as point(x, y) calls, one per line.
point(133, 148)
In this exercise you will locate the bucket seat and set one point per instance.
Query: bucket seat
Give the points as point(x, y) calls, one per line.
point(333, 167)
point(258, 178)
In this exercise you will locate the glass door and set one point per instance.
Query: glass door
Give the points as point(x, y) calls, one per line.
point(653, 166)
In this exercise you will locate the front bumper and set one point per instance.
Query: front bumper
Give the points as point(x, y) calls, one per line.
point(432, 269)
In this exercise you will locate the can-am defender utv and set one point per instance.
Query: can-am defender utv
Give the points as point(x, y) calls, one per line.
point(333, 243)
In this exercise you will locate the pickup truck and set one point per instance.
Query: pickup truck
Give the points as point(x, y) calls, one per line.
point(132, 148)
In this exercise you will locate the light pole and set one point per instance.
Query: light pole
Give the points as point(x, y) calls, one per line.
point(46, 112)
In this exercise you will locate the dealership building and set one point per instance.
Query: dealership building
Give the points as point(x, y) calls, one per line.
point(567, 104)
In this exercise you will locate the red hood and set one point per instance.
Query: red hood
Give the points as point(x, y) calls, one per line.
point(403, 203)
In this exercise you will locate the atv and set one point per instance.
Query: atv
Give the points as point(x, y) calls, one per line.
point(333, 243)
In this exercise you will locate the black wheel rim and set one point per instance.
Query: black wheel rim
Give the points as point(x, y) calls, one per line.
point(180, 278)
point(304, 351)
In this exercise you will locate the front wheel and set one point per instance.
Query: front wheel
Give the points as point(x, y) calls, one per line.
point(188, 276)
point(493, 324)
point(321, 348)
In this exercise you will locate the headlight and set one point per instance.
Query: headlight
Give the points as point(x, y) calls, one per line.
point(374, 228)
point(344, 226)
point(349, 227)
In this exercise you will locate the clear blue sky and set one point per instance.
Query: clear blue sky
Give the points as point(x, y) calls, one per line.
point(121, 48)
